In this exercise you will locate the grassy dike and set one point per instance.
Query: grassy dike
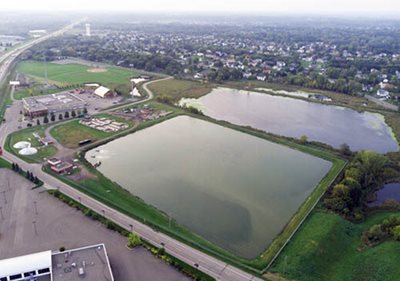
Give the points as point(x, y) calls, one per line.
point(113, 195)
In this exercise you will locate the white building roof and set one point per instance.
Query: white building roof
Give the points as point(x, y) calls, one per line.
point(92, 85)
point(15, 83)
point(26, 263)
point(101, 91)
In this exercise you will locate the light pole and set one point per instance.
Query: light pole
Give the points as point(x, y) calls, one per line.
point(35, 205)
point(131, 226)
point(1, 213)
point(4, 195)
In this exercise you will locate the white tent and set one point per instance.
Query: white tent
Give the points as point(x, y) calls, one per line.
point(102, 91)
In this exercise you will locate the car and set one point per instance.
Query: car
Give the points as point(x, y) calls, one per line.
point(29, 125)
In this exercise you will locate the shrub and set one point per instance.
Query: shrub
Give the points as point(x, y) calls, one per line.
point(133, 240)
point(396, 232)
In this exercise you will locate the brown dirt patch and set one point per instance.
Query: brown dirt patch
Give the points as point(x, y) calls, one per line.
point(97, 70)
point(275, 277)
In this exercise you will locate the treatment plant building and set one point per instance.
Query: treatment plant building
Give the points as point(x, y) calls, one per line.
point(52, 104)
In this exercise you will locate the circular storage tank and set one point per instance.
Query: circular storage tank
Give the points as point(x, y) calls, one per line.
point(22, 144)
point(28, 151)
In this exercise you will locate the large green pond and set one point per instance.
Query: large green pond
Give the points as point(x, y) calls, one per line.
point(233, 189)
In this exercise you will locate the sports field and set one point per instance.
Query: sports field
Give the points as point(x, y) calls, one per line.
point(73, 74)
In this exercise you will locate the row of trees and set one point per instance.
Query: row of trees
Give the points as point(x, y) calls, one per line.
point(61, 116)
point(29, 175)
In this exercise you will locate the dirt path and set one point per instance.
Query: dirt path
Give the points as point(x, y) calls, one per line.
point(275, 277)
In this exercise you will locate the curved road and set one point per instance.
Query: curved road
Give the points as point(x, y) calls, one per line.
point(208, 264)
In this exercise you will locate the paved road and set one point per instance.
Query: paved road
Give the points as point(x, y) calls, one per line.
point(150, 95)
point(210, 265)
point(383, 103)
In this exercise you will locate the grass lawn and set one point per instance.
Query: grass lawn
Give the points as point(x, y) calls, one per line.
point(73, 74)
point(327, 248)
point(36, 90)
point(177, 89)
point(71, 133)
point(27, 135)
point(4, 164)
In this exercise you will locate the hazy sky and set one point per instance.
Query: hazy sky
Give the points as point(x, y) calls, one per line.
point(360, 7)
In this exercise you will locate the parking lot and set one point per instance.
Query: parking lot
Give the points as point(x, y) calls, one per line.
point(33, 221)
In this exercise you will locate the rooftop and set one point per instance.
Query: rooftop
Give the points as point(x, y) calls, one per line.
point(54, 102)
point(89, 263)
point(101, 91)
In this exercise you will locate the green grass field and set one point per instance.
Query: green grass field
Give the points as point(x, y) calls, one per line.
point(177, 89)
point(73, 74)
point(4, 164)
point(36, 90)
point(27, 135)
point(71, 133)
point(327, 247)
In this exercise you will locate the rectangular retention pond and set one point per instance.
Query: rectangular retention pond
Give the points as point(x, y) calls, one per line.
point(291, 117)
point(233, 189)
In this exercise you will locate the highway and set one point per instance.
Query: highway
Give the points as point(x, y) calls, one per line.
point(208, 264)
point(7, 58)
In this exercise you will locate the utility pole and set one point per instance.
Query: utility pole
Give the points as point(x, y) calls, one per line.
point(45, 69)
point(34, 227)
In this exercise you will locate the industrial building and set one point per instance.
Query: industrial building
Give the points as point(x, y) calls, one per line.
point(52, 104)
point(88, 263)
point(59, 166)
